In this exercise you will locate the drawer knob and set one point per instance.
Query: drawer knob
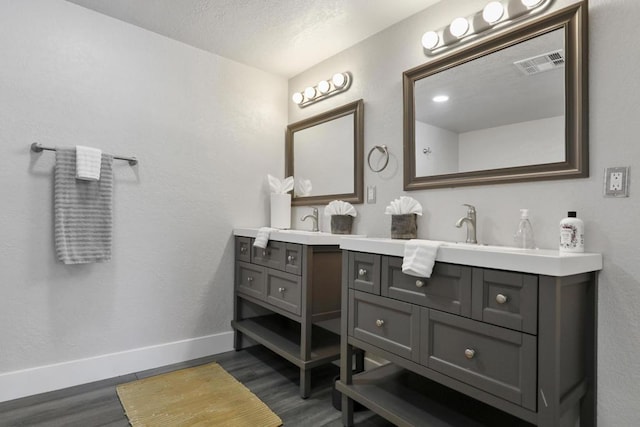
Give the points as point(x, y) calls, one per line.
point(362, 272)
point(250, 279)
point(419, 283)
point(379, 323)
point(501, 299)
point(291, 258)
point(243, 250)
point(469, 353)
point(281, 290)
point(264, 252)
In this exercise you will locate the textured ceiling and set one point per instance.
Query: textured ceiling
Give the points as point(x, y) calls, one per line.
point(283, 37)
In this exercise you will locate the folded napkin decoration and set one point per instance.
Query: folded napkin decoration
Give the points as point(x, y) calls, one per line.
point(88, 161)
point(303, 187)
point(280, 186)
point(338, 207)
point(420, 257)
point(404, 205)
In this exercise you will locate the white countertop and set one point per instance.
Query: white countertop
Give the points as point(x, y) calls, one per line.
point(537, 261)
point(302, 237)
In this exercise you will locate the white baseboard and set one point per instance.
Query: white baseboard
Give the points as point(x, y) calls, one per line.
point(41, 379)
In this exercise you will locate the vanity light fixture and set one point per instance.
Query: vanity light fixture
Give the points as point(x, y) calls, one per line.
point(495, 15)
point(339, 82)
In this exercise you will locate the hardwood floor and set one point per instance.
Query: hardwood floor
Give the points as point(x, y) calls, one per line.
point(271, 378)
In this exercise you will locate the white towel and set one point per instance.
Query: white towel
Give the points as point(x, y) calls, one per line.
point(88, 162)
point(262, 239)
point(419, 257)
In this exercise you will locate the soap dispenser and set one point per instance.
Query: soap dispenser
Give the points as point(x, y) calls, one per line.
point(571, 234)
point(523, 238)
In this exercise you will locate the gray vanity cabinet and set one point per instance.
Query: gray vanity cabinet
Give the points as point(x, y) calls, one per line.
point(468, 346)
point(287, 298)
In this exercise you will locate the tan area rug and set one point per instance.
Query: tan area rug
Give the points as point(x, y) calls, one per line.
point(201, 396)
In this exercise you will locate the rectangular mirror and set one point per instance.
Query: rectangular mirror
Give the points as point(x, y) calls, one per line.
point(516, 108)
point(327, 150)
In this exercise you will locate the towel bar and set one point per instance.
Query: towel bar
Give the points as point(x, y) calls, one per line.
point(37, 148)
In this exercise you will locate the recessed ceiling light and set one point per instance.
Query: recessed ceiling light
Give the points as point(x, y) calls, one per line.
point(440, 98)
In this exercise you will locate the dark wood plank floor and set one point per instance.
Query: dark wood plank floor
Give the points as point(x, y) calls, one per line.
point(274, 380)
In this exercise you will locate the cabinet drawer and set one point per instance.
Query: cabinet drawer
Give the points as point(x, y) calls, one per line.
point(243, 249)
point(387, 324)
point(497, 360)
point(448, 289)
point(506, 299)
point(293, 258)
point(272, 256)
point(283, 290)
point(250, 280)
point(364, 272)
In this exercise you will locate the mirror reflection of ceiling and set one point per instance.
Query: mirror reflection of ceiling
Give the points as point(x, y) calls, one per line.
point(283, 37)
point(481, 91)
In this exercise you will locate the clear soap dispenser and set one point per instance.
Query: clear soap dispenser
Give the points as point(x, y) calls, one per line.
point(524, 235)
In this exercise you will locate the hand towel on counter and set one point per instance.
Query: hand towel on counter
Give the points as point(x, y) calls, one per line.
point(262, 239)
point(419, 257)
point(88, 162)
point(83, 211)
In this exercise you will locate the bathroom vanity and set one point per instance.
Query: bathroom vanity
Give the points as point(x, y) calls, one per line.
point(287, 297)
point(495, 336)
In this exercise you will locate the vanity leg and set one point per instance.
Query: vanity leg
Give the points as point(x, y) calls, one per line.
point(347, 411)
point(305, 382)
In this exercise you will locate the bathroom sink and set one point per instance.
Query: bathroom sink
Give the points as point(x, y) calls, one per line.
point(484, 247)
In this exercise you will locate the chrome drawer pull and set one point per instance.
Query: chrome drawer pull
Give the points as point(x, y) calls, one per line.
point(264, 252)
point(379, 323)
point(362, 272)
point(291, 258)
point(419, 283)
point(501, 299)
point(281, 290)
point(469, 353)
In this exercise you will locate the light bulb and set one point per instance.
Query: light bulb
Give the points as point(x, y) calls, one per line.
point(531, 3)
point(459, 27)
point(339, 80)
point(492, 12)
point(440, 98)
point(430, 39)
point(323, 86)
point(310, 92)
point(297, 98)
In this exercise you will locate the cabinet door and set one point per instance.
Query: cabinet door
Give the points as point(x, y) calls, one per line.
point(243, 249)
point(250, 280)
point(272, 256)
point(293, 258)
point(497, 360)
point(448, 289)
point(283, 290)
point(364, 272)
point(506, 299)
point(385, 323)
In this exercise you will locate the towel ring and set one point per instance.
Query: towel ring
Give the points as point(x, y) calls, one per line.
point(385, 151)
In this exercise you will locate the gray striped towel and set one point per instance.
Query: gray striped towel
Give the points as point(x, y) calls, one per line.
point(83, 211)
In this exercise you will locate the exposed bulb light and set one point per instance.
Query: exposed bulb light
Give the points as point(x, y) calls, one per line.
point(323, 86)
point(430, 39)
point(531, 3)
point(310, 92)
point(492, 12)
point(297, 98)
point(440, 98)
point(339, 82)
point(459, 27)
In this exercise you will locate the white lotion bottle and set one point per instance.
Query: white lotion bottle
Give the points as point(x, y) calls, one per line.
point(571, 234)
point(523, 237)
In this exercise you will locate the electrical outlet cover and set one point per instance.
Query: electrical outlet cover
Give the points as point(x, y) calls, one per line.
point(616, 182)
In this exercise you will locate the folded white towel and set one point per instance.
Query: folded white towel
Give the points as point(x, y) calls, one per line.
point(88, 161)
point(419, 257)
point(262, 239)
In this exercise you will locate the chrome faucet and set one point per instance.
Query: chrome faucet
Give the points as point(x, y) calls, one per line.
point(314, 218)
point(470, 219)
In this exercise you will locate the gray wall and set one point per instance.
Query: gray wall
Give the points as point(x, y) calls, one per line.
point(612, 226)
point(207, 131)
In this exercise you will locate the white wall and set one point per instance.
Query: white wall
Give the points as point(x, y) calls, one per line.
point(443, 150)
point(206, 130)
point(612, 224)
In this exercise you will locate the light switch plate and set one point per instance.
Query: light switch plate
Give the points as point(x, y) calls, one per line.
point(616, 182)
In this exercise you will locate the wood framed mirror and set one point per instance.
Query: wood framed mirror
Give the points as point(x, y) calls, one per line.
point(328, 150)
point(517, 108)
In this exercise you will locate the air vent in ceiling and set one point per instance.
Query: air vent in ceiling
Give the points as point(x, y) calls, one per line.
point(538, 64)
